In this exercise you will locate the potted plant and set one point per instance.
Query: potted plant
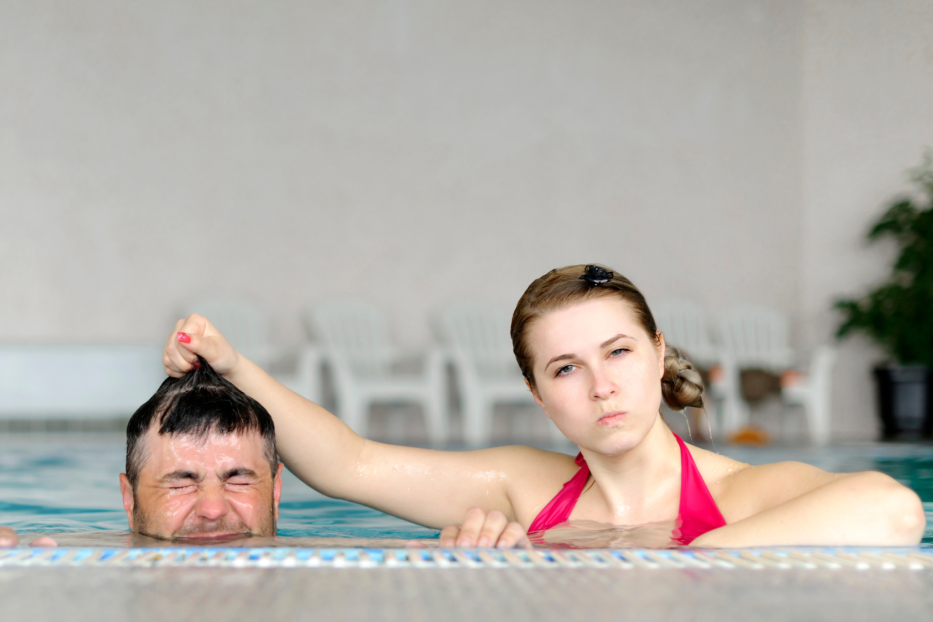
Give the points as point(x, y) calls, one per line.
point(898, 314)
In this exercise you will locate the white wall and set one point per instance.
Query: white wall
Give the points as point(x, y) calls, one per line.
point(416, 153)
point(867, 113)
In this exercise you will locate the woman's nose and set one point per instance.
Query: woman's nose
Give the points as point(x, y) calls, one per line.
point(604, 386)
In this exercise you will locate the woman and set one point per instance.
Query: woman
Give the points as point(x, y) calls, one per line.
point(595, 362)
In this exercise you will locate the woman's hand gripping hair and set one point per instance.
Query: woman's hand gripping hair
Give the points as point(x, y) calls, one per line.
point(193, 337)
point(485, 530)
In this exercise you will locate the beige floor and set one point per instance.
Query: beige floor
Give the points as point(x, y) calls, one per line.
point(412, 594)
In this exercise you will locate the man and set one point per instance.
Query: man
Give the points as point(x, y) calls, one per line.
point(201, 464)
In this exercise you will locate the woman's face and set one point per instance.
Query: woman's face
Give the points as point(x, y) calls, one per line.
point(598, 374)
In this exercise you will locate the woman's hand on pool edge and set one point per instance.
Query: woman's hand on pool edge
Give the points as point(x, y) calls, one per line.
point(485, 530)
point(8, 537)
point(195, 336)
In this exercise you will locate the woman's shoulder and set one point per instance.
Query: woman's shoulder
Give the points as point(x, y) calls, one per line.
point(534, 477)
point(715, 468)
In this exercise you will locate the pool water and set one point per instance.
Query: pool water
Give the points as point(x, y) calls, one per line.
point(57, 488)
point(73, 487)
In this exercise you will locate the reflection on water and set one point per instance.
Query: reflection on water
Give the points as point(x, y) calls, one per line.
point(116, 539)
point(586, 534)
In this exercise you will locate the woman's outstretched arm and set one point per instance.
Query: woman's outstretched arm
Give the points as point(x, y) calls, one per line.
point(433, 488)
point(790, 503)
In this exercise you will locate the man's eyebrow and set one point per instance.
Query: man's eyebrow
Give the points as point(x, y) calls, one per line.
point(180, 474)
point(564, 357)
point(238, 472)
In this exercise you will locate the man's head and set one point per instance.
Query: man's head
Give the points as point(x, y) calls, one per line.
point(201, 461)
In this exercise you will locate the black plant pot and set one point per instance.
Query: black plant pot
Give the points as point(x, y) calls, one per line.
point(905, 400)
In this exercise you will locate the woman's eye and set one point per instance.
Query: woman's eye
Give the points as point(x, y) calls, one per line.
point(563, 371)
point(618, 351)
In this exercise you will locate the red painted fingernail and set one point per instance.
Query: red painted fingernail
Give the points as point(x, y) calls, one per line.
point(196, 364)
point(184, 338)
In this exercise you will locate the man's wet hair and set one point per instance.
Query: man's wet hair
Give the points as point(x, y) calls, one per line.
point(198, 404)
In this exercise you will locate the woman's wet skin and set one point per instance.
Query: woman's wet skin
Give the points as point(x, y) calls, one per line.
point(217, 487)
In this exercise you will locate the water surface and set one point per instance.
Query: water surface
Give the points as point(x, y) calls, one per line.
point(72, 488)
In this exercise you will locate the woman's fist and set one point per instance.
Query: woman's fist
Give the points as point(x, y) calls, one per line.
point(193, 337)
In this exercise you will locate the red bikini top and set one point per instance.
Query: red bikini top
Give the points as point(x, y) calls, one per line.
point(698, 511)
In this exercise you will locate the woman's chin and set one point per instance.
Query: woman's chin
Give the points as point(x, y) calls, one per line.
point(617, 441)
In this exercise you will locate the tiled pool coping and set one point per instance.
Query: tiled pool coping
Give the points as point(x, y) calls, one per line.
point(825, 558)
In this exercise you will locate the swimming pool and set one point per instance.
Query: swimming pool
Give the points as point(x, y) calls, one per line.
point(61, 487)
point(68, 487)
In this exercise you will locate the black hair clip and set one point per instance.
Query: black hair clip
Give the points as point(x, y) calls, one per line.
point(594, 275)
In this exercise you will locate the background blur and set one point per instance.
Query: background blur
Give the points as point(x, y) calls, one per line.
point(415, 154)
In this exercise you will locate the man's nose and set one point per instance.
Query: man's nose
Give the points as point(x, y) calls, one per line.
point(212, 504)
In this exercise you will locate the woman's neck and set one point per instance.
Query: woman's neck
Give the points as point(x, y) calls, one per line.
point(638, 482)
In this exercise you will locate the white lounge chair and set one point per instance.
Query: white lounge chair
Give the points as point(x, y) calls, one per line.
point(752, 337)
point(479, 345)
point(245, 326)
point(757, 337)
point(685, 325)
point(356, 341)
point(814, 393)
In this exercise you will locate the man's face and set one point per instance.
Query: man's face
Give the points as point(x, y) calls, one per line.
point(219, 486)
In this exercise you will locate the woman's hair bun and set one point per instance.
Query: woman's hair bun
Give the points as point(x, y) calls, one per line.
point(681, 385)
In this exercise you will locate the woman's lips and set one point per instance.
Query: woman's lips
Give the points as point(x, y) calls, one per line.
point(610, 419)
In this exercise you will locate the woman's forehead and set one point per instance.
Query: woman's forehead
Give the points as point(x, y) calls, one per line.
point(584, 325)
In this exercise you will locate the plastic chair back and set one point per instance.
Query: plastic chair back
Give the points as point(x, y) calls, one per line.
point(685, 325)
point(355, 331)
point(481, 335)
point(757, 337)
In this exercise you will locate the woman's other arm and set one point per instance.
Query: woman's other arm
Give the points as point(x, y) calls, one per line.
point(790, 503)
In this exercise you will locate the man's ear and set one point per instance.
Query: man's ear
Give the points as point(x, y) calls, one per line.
point(277, 489)
point(128, 499)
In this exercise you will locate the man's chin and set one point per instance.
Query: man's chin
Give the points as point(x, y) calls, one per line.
point(209, 537)
point(212, 537)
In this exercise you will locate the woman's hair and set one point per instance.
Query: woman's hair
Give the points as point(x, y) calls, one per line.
point(681, 385)
point(198, 404)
